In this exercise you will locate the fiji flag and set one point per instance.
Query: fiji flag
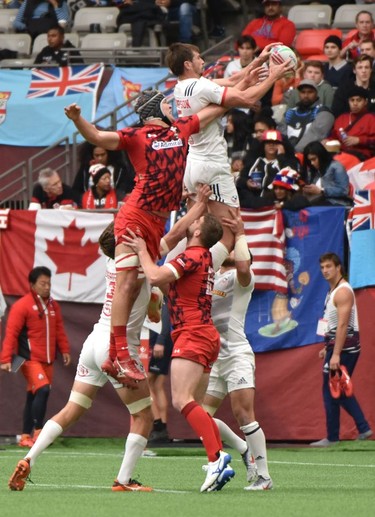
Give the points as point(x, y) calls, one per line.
point(362, 222)
point(32, 102)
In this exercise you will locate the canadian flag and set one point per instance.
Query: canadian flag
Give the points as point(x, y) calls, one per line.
point(66, 241)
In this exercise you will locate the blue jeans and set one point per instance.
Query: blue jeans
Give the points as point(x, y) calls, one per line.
point(183, 14)
point(350, 404)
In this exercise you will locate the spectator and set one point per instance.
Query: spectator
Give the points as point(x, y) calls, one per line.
point(35, 332)
point(285, 191)
point(51, 192)
point(336, 69)
point(237, 131)
point(53, 54)
point(182, 11)
point(246, 47)
point(101, 194)
point(117, 162)
point(314, 71)
point(362, 77)
point(273, 27)
point(140, 14)
point(367, 47)
point(260, 171)
point(364, 23)
point(356, 129)
point(309, 120)
point(326, 180)
point(237, 163)
point(342, 347)
point(38, 16)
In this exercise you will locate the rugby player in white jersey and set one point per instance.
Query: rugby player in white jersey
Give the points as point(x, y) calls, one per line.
point(234, 370)
point(207, 160)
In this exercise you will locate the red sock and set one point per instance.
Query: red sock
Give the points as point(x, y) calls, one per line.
point(112, 347)
point(200, 422)
point(119, 333)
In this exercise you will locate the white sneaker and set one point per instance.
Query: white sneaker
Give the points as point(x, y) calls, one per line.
point(323, 443)
point(261, 484)
point(251, 466)
point(224, 478)
point(214, 469)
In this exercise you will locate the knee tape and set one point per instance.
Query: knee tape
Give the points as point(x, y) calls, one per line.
point(126, 261)
point(138, 405)
point(80, 399)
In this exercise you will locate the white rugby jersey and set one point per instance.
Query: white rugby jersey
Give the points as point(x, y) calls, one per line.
point(229, 306)
point(330, 313)
point(138, 312)
point(191, 96)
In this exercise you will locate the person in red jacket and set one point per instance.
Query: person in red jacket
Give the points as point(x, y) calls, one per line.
point(273, 27)
point(356, 129)
point(35, 331)
point(101, 194)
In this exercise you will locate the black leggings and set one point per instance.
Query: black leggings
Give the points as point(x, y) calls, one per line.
point(35, 409)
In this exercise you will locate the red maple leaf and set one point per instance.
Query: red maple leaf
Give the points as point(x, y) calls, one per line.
point(71, 257)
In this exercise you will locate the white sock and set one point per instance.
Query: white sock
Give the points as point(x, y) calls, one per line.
point(134, 446)
point(48, 434)
point(230, 437)
point(257, 444)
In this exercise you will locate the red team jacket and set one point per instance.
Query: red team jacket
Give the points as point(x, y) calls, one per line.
point(266, 31)
point(33, 333)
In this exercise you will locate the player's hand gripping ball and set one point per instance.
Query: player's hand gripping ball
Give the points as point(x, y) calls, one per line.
point(281, 53)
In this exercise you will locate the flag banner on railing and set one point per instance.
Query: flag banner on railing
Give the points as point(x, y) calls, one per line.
point(66, 241)
point(362, 175)
point(361, 228)
point(32, 102)
point(278, 320)
point(124, 85)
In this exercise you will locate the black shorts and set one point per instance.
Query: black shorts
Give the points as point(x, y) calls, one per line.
point(160, 366)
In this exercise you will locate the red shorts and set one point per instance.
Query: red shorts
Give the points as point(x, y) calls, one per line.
point(37, 374)
point(199, 343)
point(145, 224)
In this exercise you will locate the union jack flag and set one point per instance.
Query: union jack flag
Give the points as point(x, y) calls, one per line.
point(264, 231)
point(64, 80)
point(362, 215)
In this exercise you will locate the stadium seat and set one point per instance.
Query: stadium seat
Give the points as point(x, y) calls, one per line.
point(7, 17)
point(20, 43)
point(41, 41)
point(345, 15)
point(102, 47)
point(104, 16)
point(311, 42)
point(310, 16)
point(17, 63)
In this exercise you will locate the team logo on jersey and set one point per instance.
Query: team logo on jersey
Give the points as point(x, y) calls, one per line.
point(4, 97)
point(82, 371)
point(158, 144)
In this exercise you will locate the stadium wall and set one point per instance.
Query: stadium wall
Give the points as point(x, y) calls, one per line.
point(288, 402)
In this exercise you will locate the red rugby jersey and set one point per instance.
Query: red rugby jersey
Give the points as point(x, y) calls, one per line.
point(158, 155)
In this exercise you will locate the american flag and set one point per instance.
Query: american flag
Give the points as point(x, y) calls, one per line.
point(64, 80)
point(362, 215)
point(264, 230)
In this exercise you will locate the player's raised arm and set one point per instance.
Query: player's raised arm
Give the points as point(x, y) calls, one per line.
point(106, 139)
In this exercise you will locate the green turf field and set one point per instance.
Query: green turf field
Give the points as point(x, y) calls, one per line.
point(73, 478)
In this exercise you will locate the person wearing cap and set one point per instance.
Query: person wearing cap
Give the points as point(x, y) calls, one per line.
point(310, 120)
point(364, 23)
point(286, 191)
point(101, 194)
point(326, 181)
point(362, 68)
point(336, 69)
point(356, 129)
point(158, 152)
point(273, 27)
point(314, 71)
point(257, 175)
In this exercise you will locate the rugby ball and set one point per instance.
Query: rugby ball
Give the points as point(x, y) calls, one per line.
point(281, 53)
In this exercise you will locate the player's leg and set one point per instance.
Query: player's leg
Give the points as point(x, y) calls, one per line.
point(27, 421)
point(159, 407)
point(138, 403)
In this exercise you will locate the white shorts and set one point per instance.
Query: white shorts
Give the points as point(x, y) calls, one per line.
point(217, 175)
point(232, 373)
point(93, 354)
